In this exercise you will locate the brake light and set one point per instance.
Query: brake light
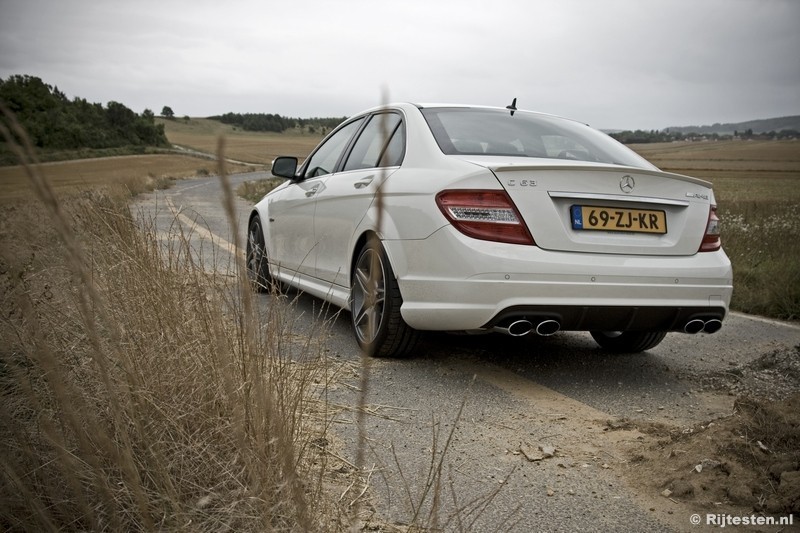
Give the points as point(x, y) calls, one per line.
point(711, 240)
point(485, 215)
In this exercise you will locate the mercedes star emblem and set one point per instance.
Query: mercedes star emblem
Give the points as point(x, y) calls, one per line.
point(626, 184)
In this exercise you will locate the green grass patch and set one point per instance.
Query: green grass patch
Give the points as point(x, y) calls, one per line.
point(762, 238)
point(47, 156)
point(254, 191)
point(757, 188)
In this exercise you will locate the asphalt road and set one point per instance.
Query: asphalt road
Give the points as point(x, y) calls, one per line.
point(493, 401)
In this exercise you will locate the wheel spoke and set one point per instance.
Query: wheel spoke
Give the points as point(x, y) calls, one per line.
point(256, 256)
point(380, 295)
point(362, 278)
point(255, 251)
point(368, 296)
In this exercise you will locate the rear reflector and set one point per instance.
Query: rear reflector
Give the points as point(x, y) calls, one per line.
point(485, 215)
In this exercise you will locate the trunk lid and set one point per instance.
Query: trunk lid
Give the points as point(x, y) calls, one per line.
point(596, 208)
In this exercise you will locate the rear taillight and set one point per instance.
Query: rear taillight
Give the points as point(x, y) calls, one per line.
point(711, 240)
point(485, 215)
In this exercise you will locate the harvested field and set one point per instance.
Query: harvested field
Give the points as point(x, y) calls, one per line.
point(253, 147)
point(127, 170)
point(755, 170)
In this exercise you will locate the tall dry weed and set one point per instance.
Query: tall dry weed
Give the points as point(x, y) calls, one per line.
point(140, 391)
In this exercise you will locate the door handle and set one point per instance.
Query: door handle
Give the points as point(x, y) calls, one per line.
point(363, 183)
point(312, 192)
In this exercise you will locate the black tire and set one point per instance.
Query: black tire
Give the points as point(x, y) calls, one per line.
point(257, 264)
point(375, 302)
point(628, 341)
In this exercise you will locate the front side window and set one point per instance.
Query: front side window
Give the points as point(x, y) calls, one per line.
point(380, 144)
point(475, 131)
point(325, 158)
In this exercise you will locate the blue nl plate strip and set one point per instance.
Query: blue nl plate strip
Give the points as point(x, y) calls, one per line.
point(577, 217)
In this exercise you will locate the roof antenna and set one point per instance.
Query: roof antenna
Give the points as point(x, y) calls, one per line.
point(512, 107)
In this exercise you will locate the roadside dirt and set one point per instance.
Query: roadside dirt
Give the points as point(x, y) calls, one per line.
point(743, 464)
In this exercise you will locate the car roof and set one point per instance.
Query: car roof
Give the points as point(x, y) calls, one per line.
point(428, 105)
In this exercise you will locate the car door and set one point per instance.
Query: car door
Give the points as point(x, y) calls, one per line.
point(291, 211)
point(348, 194)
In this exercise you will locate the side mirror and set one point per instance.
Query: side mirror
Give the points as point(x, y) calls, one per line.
point(284, 167)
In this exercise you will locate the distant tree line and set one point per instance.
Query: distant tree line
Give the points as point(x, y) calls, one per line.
point(53, 121)
point(255, 121)
point(641, 136)
point(659, 136)
point(277, 123)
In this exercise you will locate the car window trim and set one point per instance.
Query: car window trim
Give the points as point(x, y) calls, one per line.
point(349, 149)
point(389, 139)
point(336, 167)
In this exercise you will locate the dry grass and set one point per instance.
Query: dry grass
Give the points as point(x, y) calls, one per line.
point(141, 392)
point(138, 393)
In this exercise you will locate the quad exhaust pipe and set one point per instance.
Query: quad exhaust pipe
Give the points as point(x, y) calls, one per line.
point(518, 328)
point(547, 327)
point(697, 325)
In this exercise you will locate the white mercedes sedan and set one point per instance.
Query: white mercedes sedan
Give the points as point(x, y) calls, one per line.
point(478, 219)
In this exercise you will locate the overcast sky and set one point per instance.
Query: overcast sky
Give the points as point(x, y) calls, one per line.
point(621, 64)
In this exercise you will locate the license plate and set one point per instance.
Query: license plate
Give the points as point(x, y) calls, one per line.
point(591, 217)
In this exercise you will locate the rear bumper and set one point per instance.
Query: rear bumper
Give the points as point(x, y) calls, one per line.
point(451, 282)
point(583, 318)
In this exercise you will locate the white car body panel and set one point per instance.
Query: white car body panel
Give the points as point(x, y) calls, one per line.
point(349, 193)
point(291, 214)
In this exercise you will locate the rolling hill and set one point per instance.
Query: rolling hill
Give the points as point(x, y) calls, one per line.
point(757, 126)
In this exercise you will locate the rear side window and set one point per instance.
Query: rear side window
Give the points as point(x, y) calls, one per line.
point(324, 160)
point(381, 144)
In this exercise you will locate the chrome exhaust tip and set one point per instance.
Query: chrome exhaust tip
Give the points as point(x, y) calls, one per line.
point(548, 327)
point(694, 326)
point(518, 328)
point(712, 326)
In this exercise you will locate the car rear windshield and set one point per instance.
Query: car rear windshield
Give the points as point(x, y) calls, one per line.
point(478, 131)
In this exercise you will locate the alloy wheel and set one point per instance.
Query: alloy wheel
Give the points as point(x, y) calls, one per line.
point(369, 295)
